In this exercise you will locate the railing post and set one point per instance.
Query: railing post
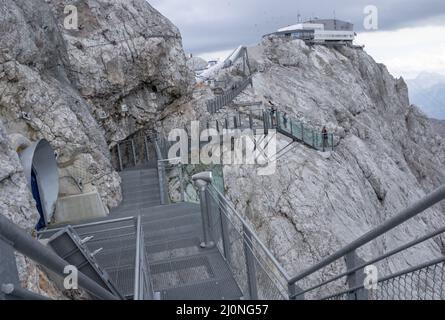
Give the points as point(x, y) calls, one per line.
point(293, 291)
point(250, 120)
point(134, 152)
point(355, 279)
point(250, 264)
point(202, 181)
point(119, 155)
point(224, 230)
point(146, 148)
point(137, 265)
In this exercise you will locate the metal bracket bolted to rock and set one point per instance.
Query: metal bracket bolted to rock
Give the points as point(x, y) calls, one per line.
point(201, 181)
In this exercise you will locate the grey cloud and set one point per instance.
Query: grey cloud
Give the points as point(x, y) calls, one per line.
point(209, 25)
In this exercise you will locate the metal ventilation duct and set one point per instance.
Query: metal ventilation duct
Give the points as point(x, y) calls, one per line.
point(40, 157)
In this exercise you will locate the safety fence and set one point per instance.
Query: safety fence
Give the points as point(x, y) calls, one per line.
point(225, 99)
point(421, 281)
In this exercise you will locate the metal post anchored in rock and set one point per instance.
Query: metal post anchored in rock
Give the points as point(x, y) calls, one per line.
point(202, 180)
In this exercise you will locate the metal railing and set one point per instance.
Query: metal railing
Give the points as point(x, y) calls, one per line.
point(13, 292)
point(225, 99)
point(300, 132)
point(258, 274)
point(143, 285)
point(121, 249)
point(425, 280)
point(132, 152)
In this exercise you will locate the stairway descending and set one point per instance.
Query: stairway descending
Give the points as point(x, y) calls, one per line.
point(180, 269)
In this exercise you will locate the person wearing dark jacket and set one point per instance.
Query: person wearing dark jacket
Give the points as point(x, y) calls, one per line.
point(324, 134)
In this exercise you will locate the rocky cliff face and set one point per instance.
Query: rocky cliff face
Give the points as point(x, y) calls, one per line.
point(82, 89)
point(438, 126)
point(85, 89)
point(387, 157)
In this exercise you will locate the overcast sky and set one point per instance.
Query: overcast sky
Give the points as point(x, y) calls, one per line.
point(410, 38)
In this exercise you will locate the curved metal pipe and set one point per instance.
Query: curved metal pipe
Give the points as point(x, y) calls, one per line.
point(30, 247)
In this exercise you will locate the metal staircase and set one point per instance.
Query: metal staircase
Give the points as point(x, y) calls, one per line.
point(209, 251)
point(176, 264)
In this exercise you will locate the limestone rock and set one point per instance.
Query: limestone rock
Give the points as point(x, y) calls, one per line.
point(387, 156)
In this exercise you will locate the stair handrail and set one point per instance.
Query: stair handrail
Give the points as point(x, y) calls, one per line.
point(249, 228)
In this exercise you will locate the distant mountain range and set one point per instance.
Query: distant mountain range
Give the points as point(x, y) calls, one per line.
point(427, 91)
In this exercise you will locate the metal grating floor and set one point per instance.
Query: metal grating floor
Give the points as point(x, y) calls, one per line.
point(180, 269)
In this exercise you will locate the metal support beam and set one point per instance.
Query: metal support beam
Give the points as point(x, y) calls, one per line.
point(181, 181)
point(30, 247)
point(119, 155)
point(137, 263)
point(133, 149)
point(225, 231)
point(162, 182)
point(356, 278)
point(294, 291)
point(146, 148)
point(265, 123)
point(250, 264)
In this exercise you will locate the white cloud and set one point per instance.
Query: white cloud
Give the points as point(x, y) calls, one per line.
point(407, 52)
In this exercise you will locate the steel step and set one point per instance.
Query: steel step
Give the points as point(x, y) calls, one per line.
point(219, 289)
point(173, 249)
point(141, 196)
point(167, 224)
point(143, 189)
point(173, 233)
